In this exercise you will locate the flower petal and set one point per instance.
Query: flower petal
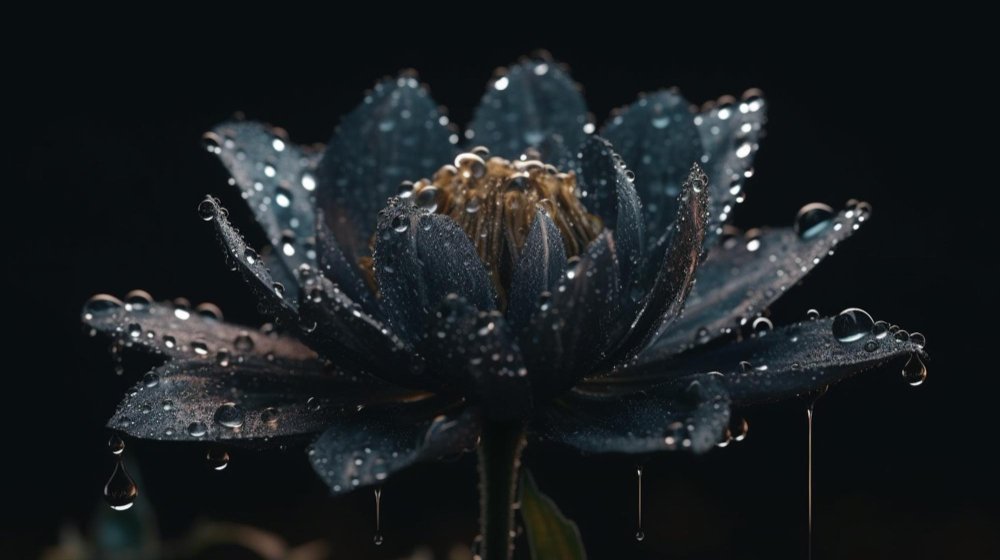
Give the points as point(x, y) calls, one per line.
point(664, 302)
point(250, 400)
point(684, 413)
point(181, 333)
point(796, 359)
point(335, 265)
point(607, 192)
point(540, 268)
point(419, 259)
point(473, 354)
point(730, 133)
point(394, 135)
point(271, 298)
point(366, 448)
point(570, 333)
point(534, 100)
point(345, 334)
point(742, 277)
point(276, 179)
point(658, 137)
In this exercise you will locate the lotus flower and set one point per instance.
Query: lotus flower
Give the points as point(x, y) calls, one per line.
point(550, 282)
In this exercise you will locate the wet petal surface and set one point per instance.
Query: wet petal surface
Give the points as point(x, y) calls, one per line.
point(539, 270)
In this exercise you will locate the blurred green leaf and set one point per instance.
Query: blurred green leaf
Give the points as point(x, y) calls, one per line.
point(550, 534)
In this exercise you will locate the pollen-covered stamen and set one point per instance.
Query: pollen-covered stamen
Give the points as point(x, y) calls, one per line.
point(495, 201)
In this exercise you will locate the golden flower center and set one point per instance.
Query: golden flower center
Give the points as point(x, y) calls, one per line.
point(495, 201)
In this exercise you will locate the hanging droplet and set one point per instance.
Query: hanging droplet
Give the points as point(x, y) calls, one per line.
point(116, 445)
point(918, 338)
point(377, 539)
point(914, 371)
point(762, 325)
point(852, 324)
point(120, 491)
point(812, 219)
point(230, 415)
point(639, 534)
point(218, 459)
point(812, 314)
point(738, 427)
point(206, 209)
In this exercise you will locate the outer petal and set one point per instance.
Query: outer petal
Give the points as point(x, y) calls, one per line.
point(271, 296)
point(473, 354)
point(793, 360)
point(610, 194)
point(342, 271)
point(658, 137)
point(571, 333)
point(730, 133)
point(534, 100)
point(736, 283)
point(180, 333)
point(365, 448)
point(686, 413)
point(419, 259)
point(663, 304)
point(344, 333)
point(539, 270)
point(394, 135)
point(249, 400)
point(277, 179)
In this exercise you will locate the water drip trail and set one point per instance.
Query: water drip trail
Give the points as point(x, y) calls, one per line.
point(809, 476)
point(378, 517)
point(639, 534)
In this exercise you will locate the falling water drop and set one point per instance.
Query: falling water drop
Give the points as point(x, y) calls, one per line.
point(120, 491)
point(378, 539)
point(639, 534)
point(116, 445)
point(914, 371)
point(218, 459)
point(852, 324)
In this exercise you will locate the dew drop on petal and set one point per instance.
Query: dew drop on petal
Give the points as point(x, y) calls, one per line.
point(197, 429)
point(151, 380)
point(812, 219)
point(812, 314)
point(229, 415)
point(918, 338)
point(852, 324)
point(880, 329)
point(243, 342)
point(427, 199)
point(762, 325)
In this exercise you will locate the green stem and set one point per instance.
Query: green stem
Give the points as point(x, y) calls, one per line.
point(499, 463)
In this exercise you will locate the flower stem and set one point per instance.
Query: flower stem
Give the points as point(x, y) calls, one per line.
point(499, 463)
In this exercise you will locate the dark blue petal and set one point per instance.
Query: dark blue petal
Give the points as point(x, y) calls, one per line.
point(419, 259)
point(665, 300)
point(343, 272)
point(473, 354)
point(793, 360)
point(271, 297)
point(683, 413)
point(341, 330)
point(730, 132)
point(569, 335)
point(181, 333)
point(534, 100)
point(608, 193)
point(657, 136)
point(277, 179)
point(539, 270)
point(735, 284)
point(368, 447)
point(396, 134)
point(249, 400)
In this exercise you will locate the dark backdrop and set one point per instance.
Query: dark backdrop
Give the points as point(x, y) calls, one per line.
point(113, 171)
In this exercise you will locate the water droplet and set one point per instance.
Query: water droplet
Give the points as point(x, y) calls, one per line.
point(400, 223)
point(250, 255)
point(120, 491)
point(169, 342)
point(880, 329)
point(223, 358)
point(812, 219)
point(746, 367)
point(116, 445)
point(901, 335)
point(135, 330)
point(211, 142)
point(243, 342)
point(919, 339)
point(308, 181)
point(812, 314)
point(182, 313)
point(269, 416)
point(270, 171)
point(206, 209)
point(852, 324)
point(871, 346)
point(229, 415)
point(100, 303)
point(283, 197)
point(470, 165)
point(151, 380)
point(472, 206)
point(753, 241)
point(218, 459)
point(501, 83)
point(137, 299)
point(405, 189)
point(197, 429)
point(199, 348)
point(168, 405)
point(738, 427)
point(639, 535)
point(702, 335)
point(278, 144)
point(914, 371)
point(427, 199)
point(762, 325)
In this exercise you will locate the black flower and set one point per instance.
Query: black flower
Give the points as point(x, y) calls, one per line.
point(521, 284)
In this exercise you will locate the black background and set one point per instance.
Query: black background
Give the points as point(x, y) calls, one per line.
point(114, 169)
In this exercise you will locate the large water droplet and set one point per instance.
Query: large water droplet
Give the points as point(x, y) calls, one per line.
point(400, 224)
point(470, 165)
point(120, 491)
point(852, 324)
point(230, 415)
point(914, 371)
point(217, 459)
point(100, 303)
point(206, 209)
point(812, 219)
point(427, 199)
point(880, 329)
point(151, 380)
point(138, 299)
